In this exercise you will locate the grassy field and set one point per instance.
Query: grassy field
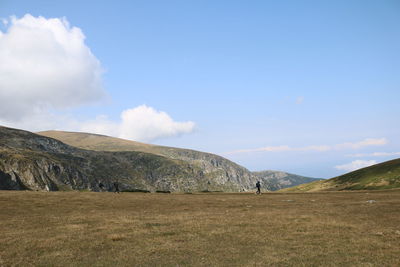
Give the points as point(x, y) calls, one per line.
point(139, 229)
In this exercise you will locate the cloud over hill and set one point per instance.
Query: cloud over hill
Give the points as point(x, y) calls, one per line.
point(355, 165)
point(142, 123)
point(45, 63)
point(46, 69)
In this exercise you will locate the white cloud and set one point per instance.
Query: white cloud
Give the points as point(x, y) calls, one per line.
point(4, 21)
point(145, 123)
point(45, 67)
point(355, 165)
point(364, 143)
point(266, 149)
point(45, 64)
point(282, 148)
point(44, 120)
point(313, 148)
point(100, 125)
point(300, 100)
point(375, 154)
point(321, 148)
point(142, 123)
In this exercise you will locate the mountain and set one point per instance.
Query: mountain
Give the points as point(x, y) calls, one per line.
point(271, 180)
point(211, 165)
point(38, 162)
point(276, 180)
point(384, 175)
point(55, 160)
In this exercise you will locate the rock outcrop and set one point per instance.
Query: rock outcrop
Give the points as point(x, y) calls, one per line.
point(35, 162)
point(56, 160)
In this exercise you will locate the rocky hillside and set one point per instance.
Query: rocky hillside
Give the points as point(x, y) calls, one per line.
point(80, 161)
point(212, 166)
point(276, 180)
point(37, 162)
point(385, 175)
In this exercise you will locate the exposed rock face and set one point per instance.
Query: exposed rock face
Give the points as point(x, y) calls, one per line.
point(214, 169)
point(35, 162)
point(276, 180)
point(30, 161)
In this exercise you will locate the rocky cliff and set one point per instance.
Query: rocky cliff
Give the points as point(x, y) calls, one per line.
point(56, 160)
point(31, 161)
point(212, 167)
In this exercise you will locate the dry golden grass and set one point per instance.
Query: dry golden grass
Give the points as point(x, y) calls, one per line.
point(135, 229)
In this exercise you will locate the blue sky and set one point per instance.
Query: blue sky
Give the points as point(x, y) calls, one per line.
point(300, 78)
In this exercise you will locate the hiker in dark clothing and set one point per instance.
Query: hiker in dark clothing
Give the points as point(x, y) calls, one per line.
point(258, 185)
point(116, 187)
point(101, 186)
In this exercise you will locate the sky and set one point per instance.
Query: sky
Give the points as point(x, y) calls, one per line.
point(307, 87)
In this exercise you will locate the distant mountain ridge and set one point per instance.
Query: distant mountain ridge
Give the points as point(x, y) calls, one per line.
point(56, 160)
point(385, 175)
point(271, 180)
point(277, 180)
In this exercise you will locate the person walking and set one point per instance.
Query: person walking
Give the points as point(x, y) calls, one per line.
point(116, 187)
point(101, 186)
point(258, 185)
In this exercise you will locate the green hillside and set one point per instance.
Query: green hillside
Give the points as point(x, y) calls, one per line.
point(276, 180)
point(385, 175)
point(99, 142)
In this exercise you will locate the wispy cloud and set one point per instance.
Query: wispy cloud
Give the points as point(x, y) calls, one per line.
point(300, 100)
point(320, 148)
point(374, 154)
point(266, 149)
point(314, 148)
point(4, 21)
point(364, 143)
point(355, 165)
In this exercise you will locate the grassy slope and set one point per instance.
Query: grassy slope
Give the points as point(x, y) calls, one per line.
point(134, 229)
point(385, 175)
point(106, 143)
point(98, 142)
point(278, 180)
